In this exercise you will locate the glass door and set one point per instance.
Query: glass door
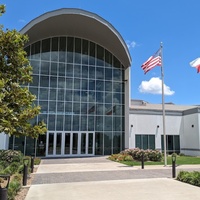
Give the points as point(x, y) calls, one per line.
point(70, 144)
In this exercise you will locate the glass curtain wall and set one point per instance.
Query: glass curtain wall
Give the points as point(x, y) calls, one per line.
point(80, 87)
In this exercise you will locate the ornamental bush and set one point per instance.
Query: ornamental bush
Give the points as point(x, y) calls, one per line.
point(10, 156)
point(149, 154)
point(154, 155)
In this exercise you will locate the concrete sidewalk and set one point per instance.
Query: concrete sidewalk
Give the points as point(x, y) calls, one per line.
point(98, 178)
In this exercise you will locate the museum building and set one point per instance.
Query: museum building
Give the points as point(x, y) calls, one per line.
point(81, 78)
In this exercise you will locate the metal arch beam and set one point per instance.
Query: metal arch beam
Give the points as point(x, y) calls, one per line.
point(78, 23)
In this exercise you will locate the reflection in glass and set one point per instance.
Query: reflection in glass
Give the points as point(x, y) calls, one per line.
point(67, 143)
point(69, 71)
point(91, 123)
point(98, 143)
point(83, 123)
point(45, 66)
point(53, 82)
point(108, 123)
point(52, 107)
point(83, 143)
point(107, 143)
point(84, 71)
point(52, 94)
point(75, 143)
point(50, 143)
point(59, 123)
point(75, 123)
point(54, 68)
point(80, 87)
point(77, 71)
point(43, 94)
point(58, 143)
point(90, 143)
point(51, 122)
point(68, 122)
point(116, 142)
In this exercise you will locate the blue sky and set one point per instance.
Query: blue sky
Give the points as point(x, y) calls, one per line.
point(143, 24)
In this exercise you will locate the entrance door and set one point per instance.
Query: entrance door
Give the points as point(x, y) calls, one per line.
point(70, 144)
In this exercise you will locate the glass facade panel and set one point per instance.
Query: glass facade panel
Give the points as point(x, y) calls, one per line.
point(99, 143)
point(50, 143)
point(75, 143)
point(80, 87)
point(67, 143)
point(90, 143)
point(116, 142)
point(83, 143)
point(107, 143)
point(58, 143)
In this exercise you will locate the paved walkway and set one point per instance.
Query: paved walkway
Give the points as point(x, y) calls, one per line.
point(98, 178)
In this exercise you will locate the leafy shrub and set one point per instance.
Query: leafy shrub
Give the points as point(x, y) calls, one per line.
point(17, 177)
point(192, 178)
point(20, 169)
point(13, 188)
point(37, 161)
point(154, 155)
point(7, 170)
point(113, 157)
point(10, 156)
point(128, 158)
point(136, 153)
point(121, 157)
point(14, 167)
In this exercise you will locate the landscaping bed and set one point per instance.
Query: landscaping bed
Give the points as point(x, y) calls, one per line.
point(12, 164)
point(133, 157)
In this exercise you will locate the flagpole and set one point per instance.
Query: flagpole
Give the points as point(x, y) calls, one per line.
point(163, 105)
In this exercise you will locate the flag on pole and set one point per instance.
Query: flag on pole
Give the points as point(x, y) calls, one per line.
point(152, 62)
point(196, 63)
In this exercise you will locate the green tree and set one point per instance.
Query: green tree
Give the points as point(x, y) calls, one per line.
point(17, 106)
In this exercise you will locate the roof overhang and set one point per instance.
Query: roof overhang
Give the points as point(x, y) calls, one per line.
point(78, 23)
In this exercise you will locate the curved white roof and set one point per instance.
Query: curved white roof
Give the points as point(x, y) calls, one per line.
point(78, 23)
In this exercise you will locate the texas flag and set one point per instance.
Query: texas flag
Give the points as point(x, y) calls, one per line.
point(196, 63)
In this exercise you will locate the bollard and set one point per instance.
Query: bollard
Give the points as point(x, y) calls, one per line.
point(25, 171)
point(142, 161)
point(32, 164)
point(3, 190)
point(173, 165)
point(3, 194)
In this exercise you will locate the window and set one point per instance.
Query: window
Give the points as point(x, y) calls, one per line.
point(172, 143)
point(145, 141)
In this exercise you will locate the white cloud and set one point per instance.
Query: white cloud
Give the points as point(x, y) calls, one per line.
point(21, 21)
point(130, 44)
point(154, 86)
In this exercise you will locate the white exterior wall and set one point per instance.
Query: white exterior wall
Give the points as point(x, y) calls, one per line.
point(147, 124)
point(190, 138)
point(3, 141)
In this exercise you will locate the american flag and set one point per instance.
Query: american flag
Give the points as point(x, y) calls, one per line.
point(152, 62)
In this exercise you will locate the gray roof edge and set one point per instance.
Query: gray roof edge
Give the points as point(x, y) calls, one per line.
point(77, 11)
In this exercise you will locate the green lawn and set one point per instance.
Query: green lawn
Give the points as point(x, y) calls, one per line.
point(180, 160)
